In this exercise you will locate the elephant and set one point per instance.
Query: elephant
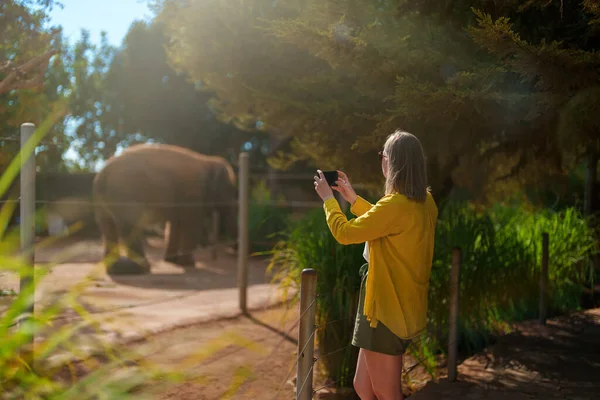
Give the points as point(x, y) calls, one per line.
point(158, 183)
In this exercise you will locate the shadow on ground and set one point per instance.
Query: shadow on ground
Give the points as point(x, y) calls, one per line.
point(77, 257)
point(558, 361)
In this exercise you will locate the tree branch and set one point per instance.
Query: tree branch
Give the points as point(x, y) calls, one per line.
point(523, 159)
point(13, 80)
point(504, 147)
point(32, 83)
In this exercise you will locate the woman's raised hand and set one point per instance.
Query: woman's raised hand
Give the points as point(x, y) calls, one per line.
point(344, 187)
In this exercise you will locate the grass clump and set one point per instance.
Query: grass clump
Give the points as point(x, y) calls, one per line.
point(501, 257)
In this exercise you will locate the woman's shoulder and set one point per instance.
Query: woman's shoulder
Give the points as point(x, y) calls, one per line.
point(431, 205)
point(401, 200)
point(393, 198)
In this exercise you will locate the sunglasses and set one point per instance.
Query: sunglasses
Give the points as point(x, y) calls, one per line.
point(381, 155)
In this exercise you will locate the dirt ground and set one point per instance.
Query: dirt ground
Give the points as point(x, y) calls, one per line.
point(130, 307)
point(254, 357)
point(243, 358)
point(71, 261)
point(182, 320)
point(558, 361)
point(191, 325)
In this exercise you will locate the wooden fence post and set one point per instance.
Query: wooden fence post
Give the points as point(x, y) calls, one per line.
point(243, 240)
point(27, 233)
point(454, 310)
point(544, 280)
point(306, 335)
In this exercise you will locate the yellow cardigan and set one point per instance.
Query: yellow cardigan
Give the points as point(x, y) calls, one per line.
point(400, 233)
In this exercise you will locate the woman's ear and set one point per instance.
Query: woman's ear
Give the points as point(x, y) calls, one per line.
point(385, 167)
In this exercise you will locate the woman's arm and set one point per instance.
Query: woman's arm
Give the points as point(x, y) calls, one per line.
point(360, 206)
point(374, 223)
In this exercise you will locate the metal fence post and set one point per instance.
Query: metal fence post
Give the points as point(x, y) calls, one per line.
point(215, 235)
point(243, 240)
point(544, 280)
point(454, 302)
point(306, 334)
point(27, 232)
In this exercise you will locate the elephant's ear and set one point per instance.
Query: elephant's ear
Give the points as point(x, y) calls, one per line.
point(227, 178)
point(228, 170)
point(220, 182)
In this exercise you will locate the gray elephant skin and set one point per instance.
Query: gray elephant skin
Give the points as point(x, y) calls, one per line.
point(157, 183)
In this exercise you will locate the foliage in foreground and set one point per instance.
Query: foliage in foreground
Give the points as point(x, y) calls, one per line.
point(61, 369)
point(501, 255)
point(52, 374)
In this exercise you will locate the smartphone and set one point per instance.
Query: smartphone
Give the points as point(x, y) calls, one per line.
point(331, 177)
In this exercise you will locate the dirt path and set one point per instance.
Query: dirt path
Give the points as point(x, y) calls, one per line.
point(557, 361)
point(254, 357)
point(241, 358)
point(136, 305)
point(126, 308)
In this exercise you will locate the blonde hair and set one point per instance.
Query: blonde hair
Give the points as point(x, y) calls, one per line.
point(407, 173)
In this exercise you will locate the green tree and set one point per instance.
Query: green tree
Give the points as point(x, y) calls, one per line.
point(338, 76)
point(562, 76)
point(89, 64)
point(32, 76)
point(148, 97)
point(25, 44)
point(131, 94)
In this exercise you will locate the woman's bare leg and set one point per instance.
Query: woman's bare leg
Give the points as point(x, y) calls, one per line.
point(385, 373)
point(362, 380)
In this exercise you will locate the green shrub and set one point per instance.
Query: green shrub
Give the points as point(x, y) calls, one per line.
point(501, 256)
point(309, 244)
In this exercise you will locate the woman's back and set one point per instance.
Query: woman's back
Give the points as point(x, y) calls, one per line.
point(411, 246)
point(401, 235)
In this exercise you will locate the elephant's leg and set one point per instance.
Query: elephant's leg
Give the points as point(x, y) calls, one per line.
point(110, 235)
point(173, 240)
point(187, 243)
point(133, 238)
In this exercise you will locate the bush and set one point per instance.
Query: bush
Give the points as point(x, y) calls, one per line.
point(501, 256)
point(309, 244)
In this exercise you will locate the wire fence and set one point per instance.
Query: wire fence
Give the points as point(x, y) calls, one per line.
point(306, 322)
point(197, 204)
point(306, 361)
point(304, 383)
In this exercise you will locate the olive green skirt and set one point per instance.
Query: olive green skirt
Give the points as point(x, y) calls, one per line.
point(380, 339)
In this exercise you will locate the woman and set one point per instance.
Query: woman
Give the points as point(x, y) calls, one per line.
point(398, 233)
